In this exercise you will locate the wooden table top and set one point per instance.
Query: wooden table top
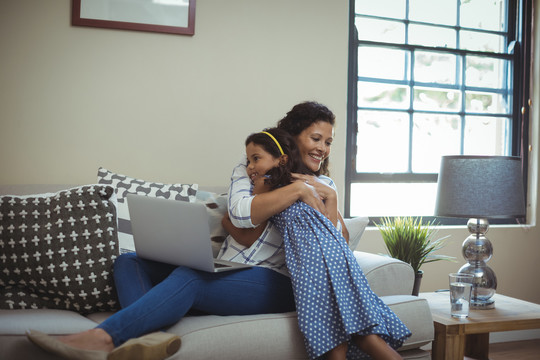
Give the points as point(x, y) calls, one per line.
point(509, 314)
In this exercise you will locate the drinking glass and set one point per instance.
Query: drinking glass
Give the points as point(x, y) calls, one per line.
point(460, 294)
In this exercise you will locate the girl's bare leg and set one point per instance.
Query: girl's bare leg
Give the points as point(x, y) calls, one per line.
point(376, 347)
point(337, 353)
point(94, 339)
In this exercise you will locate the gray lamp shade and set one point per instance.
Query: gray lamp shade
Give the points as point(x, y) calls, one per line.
point(480, 187)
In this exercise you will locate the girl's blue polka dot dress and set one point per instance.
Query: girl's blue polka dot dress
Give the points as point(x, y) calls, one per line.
point(333, 298)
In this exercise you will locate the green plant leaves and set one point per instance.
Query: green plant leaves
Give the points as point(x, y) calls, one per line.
point(408, 240)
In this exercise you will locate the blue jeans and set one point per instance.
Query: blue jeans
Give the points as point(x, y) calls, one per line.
point(155, 295)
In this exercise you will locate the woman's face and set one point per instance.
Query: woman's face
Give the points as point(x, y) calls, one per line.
point(314, 144)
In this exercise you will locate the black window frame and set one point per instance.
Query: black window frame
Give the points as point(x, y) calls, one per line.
point(520, 35)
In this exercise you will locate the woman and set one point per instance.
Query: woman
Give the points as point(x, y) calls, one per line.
point(162, 294)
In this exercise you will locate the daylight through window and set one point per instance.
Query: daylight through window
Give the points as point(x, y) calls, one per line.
point(429, 78)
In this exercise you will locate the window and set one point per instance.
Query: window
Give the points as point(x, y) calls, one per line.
point(429, 78)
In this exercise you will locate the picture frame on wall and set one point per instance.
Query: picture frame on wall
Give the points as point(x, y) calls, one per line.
point(164, 16)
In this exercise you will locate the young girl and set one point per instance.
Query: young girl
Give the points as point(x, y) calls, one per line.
point(338, 313)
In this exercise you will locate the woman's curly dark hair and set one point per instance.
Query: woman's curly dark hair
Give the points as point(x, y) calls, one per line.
point(302, 116)
point(281, 175)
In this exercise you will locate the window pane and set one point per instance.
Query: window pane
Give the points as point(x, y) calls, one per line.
point(486, 135)
point(385, 96)
point(433, 11)
point(382, 63)
point(382, 141)
point(434, 135)
point(443, 93)
point(473, 40)
point(435, 67)
point(486, 72)
point(436, 99)
point(380, 199)
point(387, 8)
point(432, 36)
point(493, 14)
point(483, 102)
point(380, 30)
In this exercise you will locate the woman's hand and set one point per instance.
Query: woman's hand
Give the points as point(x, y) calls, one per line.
point(324, 191)
point(309, 195)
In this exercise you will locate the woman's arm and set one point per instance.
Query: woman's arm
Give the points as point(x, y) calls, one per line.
point(326, 189)
point(327, 193)
point(239, 198)
point(247, 210)
point(268, 204)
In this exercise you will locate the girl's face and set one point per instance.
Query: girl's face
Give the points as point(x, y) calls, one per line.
point(259, 161)
point(314, 144)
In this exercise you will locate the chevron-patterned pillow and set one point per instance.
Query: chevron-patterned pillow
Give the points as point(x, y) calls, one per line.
point(127, 185)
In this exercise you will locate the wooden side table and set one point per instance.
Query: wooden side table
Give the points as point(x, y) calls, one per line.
point(455, 338)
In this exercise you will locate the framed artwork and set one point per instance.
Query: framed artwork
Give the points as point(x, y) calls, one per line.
point(165, 16)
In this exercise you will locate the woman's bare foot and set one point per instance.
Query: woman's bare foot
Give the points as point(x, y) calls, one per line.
point(94, 339)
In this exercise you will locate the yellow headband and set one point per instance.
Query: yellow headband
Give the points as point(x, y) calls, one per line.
point(275, 140)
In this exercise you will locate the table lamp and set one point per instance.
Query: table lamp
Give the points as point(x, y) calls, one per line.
point(480, 187)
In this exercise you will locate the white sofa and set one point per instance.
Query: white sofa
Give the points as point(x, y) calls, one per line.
point(269, 336)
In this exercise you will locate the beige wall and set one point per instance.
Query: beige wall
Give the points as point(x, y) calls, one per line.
point(176, 108)
point(159, 106)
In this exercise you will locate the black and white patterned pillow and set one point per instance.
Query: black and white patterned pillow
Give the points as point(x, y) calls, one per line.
point(127, 185)
point(57, 250)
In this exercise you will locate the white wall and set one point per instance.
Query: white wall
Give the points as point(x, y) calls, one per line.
point(175, 108)
point(158, 106)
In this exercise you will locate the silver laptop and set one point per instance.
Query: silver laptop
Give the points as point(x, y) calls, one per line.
point(174, 232)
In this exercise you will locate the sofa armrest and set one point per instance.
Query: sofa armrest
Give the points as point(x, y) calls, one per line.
point(386, 275)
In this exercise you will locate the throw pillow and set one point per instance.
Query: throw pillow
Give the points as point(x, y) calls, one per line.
point(124, 185)
point(356, 227)
point(57, 250)
point(216, 207)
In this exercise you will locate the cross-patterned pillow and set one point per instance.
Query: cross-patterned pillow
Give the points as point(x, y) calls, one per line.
point(57, 250)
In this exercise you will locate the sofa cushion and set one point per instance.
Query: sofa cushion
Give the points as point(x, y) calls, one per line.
point(277, 336)
point(124, 185)
point(50, 321)
point(386, 275)
point(416, 315)
point(57, 250)
point(266, 336)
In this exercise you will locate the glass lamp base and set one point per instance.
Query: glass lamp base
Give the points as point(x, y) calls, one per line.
point(477, 250)
point(483, 305)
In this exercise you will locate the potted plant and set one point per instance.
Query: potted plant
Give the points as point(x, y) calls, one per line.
point(408, 240)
